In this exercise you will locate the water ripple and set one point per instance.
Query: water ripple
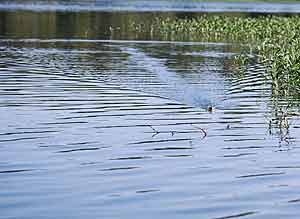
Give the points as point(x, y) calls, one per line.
point(120, 125)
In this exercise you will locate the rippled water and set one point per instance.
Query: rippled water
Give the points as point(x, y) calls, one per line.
point(106, 128)
point(152, 5)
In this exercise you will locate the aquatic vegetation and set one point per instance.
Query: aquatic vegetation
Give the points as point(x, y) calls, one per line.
point(156, 132)
point(280, 123)
point(275, 40)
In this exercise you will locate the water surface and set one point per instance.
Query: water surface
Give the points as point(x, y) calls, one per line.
point(150, 6)
point(107, 124)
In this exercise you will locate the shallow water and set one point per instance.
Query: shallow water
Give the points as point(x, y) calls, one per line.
point(111, 127)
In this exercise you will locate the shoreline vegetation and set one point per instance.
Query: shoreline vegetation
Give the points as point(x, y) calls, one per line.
point(275, 41)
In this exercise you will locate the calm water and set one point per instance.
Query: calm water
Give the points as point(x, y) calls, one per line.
point(99, 122)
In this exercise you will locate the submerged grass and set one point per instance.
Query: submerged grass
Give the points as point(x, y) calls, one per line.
point(274, 39)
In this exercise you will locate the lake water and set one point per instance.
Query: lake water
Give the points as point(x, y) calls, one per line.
point(101, 122)
point(149, 5)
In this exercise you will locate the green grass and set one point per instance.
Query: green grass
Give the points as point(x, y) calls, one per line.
point(275, 40)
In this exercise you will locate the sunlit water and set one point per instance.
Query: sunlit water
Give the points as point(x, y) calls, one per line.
point(96, 127)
